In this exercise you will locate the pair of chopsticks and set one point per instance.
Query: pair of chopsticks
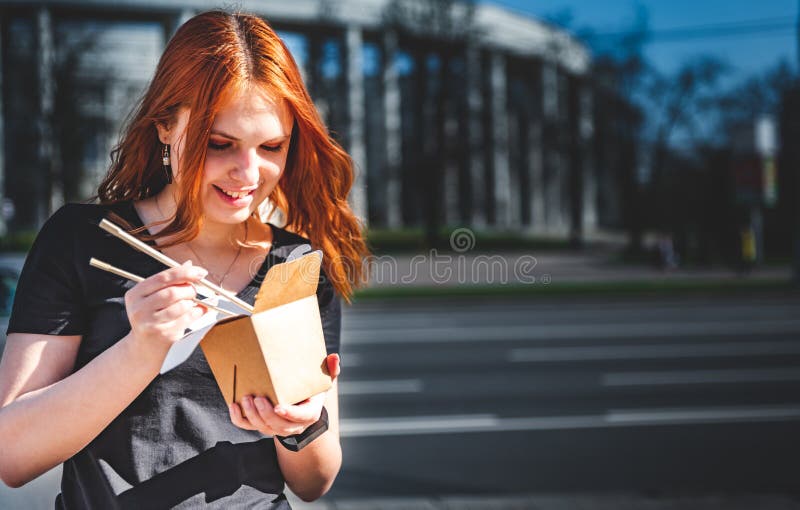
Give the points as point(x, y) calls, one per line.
point(99, 264)
point(119, 233)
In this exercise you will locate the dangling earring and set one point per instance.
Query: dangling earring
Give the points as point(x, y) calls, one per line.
point(165, 163)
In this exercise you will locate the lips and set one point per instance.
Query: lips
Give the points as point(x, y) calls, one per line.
point(235, 197)
point(235, 194)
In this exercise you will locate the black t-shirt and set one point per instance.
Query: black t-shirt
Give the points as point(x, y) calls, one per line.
point(174, 446)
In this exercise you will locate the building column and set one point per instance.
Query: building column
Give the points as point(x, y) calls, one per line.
point(448, 96)
point(536, 153)
point(517, 160)
point(586, 132)
point(48, 160)
point(553, 169)
point(355, 124)
point(502, 178)
point(536, 176)
point(475, 141)
point(393, 127)
point(575, 163)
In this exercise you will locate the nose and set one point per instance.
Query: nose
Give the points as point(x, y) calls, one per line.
point(247, 167)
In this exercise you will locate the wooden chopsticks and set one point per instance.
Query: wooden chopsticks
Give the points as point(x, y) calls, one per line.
point(120, 233)
point(99, 264)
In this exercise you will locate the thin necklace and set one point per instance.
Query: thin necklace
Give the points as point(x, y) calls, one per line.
point(230, 266)
point(200, 259)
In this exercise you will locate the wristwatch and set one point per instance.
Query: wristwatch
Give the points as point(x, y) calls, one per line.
point(299, 441)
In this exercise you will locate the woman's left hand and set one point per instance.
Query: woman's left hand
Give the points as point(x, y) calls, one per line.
point(258, 413)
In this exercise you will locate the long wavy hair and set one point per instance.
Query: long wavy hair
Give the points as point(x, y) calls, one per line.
point(210, 59)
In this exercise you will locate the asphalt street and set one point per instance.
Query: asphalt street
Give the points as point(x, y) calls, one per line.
point(612, 400)
point(502, 397)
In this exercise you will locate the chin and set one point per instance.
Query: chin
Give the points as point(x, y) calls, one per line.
point(229, 217)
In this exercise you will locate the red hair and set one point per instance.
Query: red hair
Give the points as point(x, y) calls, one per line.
point(210, 59)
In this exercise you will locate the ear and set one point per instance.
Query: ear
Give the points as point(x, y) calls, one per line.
point(163, 133)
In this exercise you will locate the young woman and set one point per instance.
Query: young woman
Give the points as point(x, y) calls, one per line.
point(225, 125)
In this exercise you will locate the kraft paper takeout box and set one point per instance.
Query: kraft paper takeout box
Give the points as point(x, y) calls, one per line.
point(278, 351)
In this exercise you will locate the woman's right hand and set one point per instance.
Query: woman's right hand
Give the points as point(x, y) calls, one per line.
point(160, 308)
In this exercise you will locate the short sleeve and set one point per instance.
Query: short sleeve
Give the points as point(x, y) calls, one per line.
point(330, 312)
point(48, 298)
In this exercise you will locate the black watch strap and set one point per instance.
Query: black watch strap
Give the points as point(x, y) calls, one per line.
point(297, 442)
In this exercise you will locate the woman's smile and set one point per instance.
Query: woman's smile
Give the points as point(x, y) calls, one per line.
point(235, 198)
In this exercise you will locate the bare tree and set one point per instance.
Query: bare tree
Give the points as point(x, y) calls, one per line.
point(620, 71)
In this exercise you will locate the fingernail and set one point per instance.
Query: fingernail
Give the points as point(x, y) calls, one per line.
point(280, 410)
point(259, 404)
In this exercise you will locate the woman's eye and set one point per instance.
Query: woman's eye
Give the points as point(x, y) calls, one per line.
point(218, 146)
point(272, 148)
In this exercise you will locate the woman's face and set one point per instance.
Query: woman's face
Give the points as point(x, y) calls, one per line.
point(246, 155)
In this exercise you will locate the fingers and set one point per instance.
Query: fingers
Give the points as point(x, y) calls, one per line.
point(259, 414)
point(171, 295)
point(172, 302)
point(173, 305)
point(183, 321)
point(238, 419)
point(334, 365)
point(283, 420)
point(160, 307)
point(306, 412)
point(183, 274)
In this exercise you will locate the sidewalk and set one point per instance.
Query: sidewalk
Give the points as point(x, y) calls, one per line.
point(435, 269)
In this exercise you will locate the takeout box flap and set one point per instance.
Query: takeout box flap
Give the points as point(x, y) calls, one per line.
point(289, 281)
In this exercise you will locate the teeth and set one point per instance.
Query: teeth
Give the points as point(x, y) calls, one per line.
point(235, 194)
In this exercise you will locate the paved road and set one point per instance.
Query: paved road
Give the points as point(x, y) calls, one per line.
point(514, 397)
point(638, 400)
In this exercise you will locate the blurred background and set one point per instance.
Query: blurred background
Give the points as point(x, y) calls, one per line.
point(585, 225)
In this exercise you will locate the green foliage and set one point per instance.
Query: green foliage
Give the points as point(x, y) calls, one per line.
point(413, 240)
point(17, 241)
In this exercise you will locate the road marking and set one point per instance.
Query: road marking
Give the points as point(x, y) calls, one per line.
point(658, 416)
point(364, 312)
point(395, 319)
point(625, 352)
point(405, 425)
point(555, 332)
point(700, 377)
point(380, 387)
point(454, 424)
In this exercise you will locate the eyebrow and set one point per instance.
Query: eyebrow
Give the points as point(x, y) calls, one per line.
point(231, 137)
